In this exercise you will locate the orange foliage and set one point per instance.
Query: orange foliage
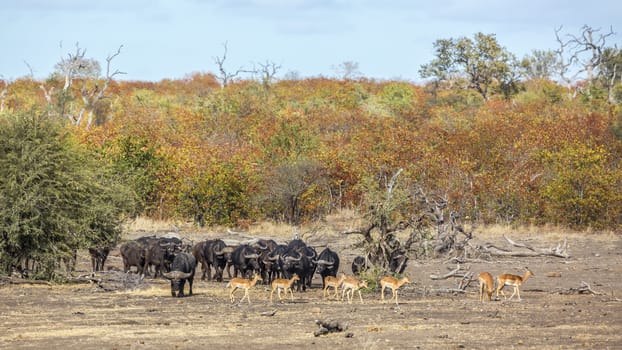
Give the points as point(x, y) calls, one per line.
point(485, 156)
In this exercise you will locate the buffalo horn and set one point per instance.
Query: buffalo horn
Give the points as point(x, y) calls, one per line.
point(291, 258)
point(261, 245)
point(219, 252)
point(176, 275)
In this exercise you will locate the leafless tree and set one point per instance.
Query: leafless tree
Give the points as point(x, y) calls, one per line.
point(348, 70)
point(76, 67)
point(31, 72)
point(431, 227)
point(581, 54)
point(93, 94)
point(267, 72)
point(225, 77)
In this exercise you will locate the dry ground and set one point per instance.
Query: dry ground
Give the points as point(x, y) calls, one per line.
point(78, 316)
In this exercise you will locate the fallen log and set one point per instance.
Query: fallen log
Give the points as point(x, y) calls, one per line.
point(585, 288)
point(109, 281)
point(329, 327)
point(15, 280)
point(559, 251)
point(466, 277)
point(457, 272)
point(449, 290)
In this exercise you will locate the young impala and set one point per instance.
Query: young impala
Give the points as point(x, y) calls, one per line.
point(334, 282)
point(394, 284)
point(351, 285)
point(485, 283)
point(512, 280)
point(242, 283)
point(285, 285)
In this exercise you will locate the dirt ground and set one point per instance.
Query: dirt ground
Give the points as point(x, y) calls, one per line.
point(551, 315)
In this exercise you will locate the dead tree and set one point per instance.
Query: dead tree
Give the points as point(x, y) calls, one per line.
point(437, 229)
point(465, 278)
point(559, 251)
point(225, 77)
point(433, 232)
point(92, 95)
point(379, 236)
point(348, 70)
point(76, 67)
point(585, 51)
point(267, 72)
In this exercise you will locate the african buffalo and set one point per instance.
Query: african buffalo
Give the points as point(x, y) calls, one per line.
point(98, 257)
point(397, 261)
point(327, 264)
point(198, 250)
point(215, 255)
point(245, 261)
point(264, 247)
point(299, 258)
point(272, 262)
point(133, 254)
point(359, 264)
point(296, 263)
point(182, 269)
point(157, 254)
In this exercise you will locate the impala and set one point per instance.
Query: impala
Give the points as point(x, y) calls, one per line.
point(485, 283)
point(285, 284)
point(331, 281)
point(512, 280)
point(242, 283)
point(351, 285)
point(394, 284)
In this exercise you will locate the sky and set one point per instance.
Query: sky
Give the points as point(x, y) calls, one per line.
point(172, 39)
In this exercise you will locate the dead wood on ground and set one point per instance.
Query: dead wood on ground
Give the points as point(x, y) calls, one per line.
point(559, 251)
point(465, 278)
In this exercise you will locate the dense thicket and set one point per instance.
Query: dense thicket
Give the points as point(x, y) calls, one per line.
point(296, 150)
point(53, 198)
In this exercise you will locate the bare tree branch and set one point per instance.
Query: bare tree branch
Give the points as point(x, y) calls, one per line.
point(267, 72)
point(559, 251)
point(91, 97)
point(226, 77)
point(31, 73)
point(584, 51)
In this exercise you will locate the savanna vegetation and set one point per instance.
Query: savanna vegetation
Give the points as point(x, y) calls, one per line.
point(489, 138)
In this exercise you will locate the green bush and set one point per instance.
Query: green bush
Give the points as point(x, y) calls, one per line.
point(53, 198)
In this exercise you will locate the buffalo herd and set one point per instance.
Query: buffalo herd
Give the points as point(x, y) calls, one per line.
point(172, 259)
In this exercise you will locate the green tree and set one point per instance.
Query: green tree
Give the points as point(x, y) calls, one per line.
point(216, 196)
point(540, 64)
point(582, 189)
point(138, 165)
point(481, 61)
point(53, 198)
point(610, 72)
point(399, 97)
